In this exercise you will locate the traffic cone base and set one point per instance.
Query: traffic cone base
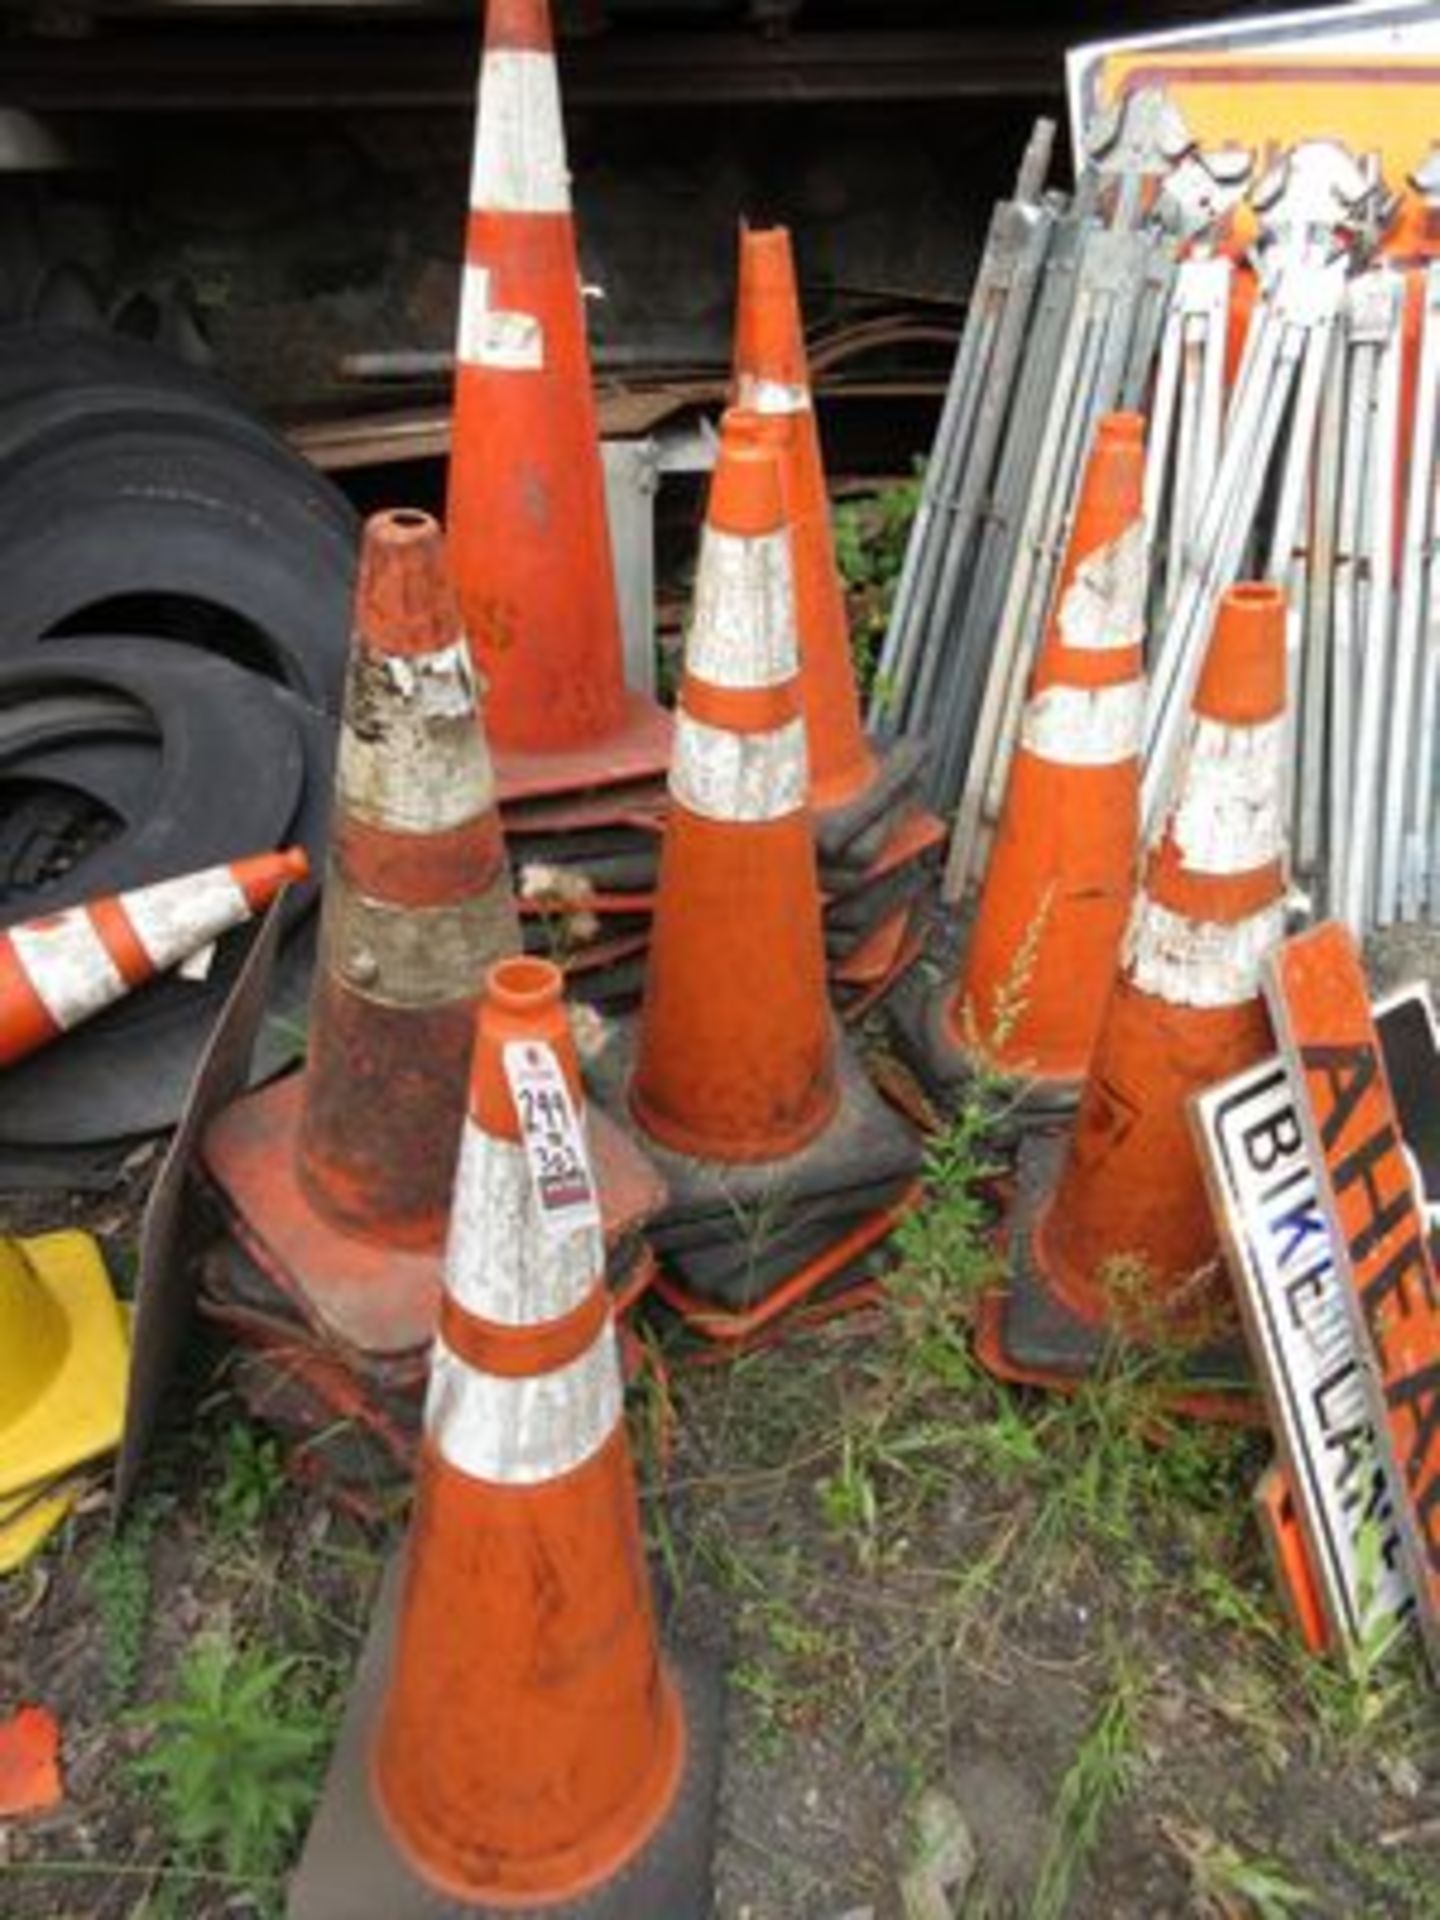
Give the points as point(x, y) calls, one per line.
point(351, 1870)
point(1027, 1335)
point(64, 1358)
point(638, 748)
point(1291, 1563)
point(30, 1516)
point(854, 835)
point(374, 1298)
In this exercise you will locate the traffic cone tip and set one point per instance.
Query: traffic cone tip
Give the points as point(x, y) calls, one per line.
point(771, 373)
point(403, 599)
point(522, 24)
point(1242, 679)
point(745, 492)
point(519, 164)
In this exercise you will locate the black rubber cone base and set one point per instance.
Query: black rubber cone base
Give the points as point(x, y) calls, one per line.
point(920, 1033)
point(853, 834)
point(350, 1870)
point(1028, 1336)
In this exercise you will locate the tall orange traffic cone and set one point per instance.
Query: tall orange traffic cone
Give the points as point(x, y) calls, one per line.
point(531, 1746)
point(60, 969)
point(1125, 1245)
point(337, 1182)
point(742, 1089)
point(529, 540)
point(1061, 877)
point(735, 1057)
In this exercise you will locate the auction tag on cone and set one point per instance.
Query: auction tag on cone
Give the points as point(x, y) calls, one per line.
point(1319, 1002)
point(1278, 1245)
point(553, 1139)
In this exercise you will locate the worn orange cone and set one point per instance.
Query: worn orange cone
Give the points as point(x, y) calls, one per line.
point(1062, 874)
point(338, 1181)
point(532, 1743)
point(1126, 1245)
point(772, 378)
point(60, 969)
point(736, 1055)
point(529, 539)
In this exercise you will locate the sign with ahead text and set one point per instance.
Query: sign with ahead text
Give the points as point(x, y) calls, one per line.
point(1319, 1003)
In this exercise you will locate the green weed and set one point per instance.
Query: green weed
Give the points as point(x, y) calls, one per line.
point(121, 1586)
point(871, 532)
point(234, 1758)
point(1105, 1771)
point(1226, 1884)
point(252, 1475)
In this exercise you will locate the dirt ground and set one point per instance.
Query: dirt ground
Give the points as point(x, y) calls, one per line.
point(956, 1620)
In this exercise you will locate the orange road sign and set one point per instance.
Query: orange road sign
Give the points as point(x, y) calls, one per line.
point(1320, 1006)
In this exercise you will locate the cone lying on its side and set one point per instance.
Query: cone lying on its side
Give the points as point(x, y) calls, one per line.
point(529, 539)
point(531, 1743)
point(59, 970)
point(1125, 1245)
point(336, 1183)
point(780, 1160)
point(1052, 910)
point(859, 798)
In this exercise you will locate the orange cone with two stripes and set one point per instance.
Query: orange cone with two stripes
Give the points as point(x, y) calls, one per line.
point(1186, 1010)
point(58, 970)
point(334, 1177)
point(1058, 888)
point(529, 539)
point(531, 1739)
point(735, 1059)
point(772, 378)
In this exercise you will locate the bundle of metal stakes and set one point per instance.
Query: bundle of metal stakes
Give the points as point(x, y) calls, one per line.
point(1281, 331)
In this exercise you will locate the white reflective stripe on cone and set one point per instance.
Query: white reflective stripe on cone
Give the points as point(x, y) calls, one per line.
point(1229, 818)
point(519, 159)
point(745, 777)
point(500, 1264)
point(1103, 608)
point(1085, 726)
point(742, 625)
point(68, 965)
point(759, 395)
point(520, 1432)
point(174, 917)
point(511, 341)
point(420, 765)
point(1198, 963)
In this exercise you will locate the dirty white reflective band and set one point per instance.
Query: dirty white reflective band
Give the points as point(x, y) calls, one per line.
point(519, 163)
point(1103, 608)
point(176, 916)
point(1229, 816)
point(412, 757)
point(518, 1432)
point(1085, 726)
point(499, 1264)
point(1198, 963)
point(513, 342)
point(738, 776)
point(759, 395)
point(742, 626)
point(68, 965)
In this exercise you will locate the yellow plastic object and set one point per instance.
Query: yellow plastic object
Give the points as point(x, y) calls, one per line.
point(28, 1519)
point(63, 1358)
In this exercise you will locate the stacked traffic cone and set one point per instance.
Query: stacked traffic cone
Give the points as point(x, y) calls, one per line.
point(335, 1183)
point(876, 843)
point(1042, 951)
point(64, 1362)
point(529, 538)
point(517, 1739)
point(59, 970)
point(783, 1166)
point(1122, 1246)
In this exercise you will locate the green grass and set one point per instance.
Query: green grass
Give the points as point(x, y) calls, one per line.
point(1104, 1772)
point(121, 1586)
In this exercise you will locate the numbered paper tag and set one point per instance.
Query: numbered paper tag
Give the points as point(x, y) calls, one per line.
point(553, 1140)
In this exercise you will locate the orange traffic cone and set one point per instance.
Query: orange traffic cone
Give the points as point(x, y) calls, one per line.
point(735, 1057)
point(532, 1745)
point(529, 540)
point(58, 970)
point(337, 1181)
point(1125, 1244)
point(1052, 910)
point(742, 1089)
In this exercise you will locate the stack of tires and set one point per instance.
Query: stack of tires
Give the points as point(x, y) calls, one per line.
point(173, 631)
